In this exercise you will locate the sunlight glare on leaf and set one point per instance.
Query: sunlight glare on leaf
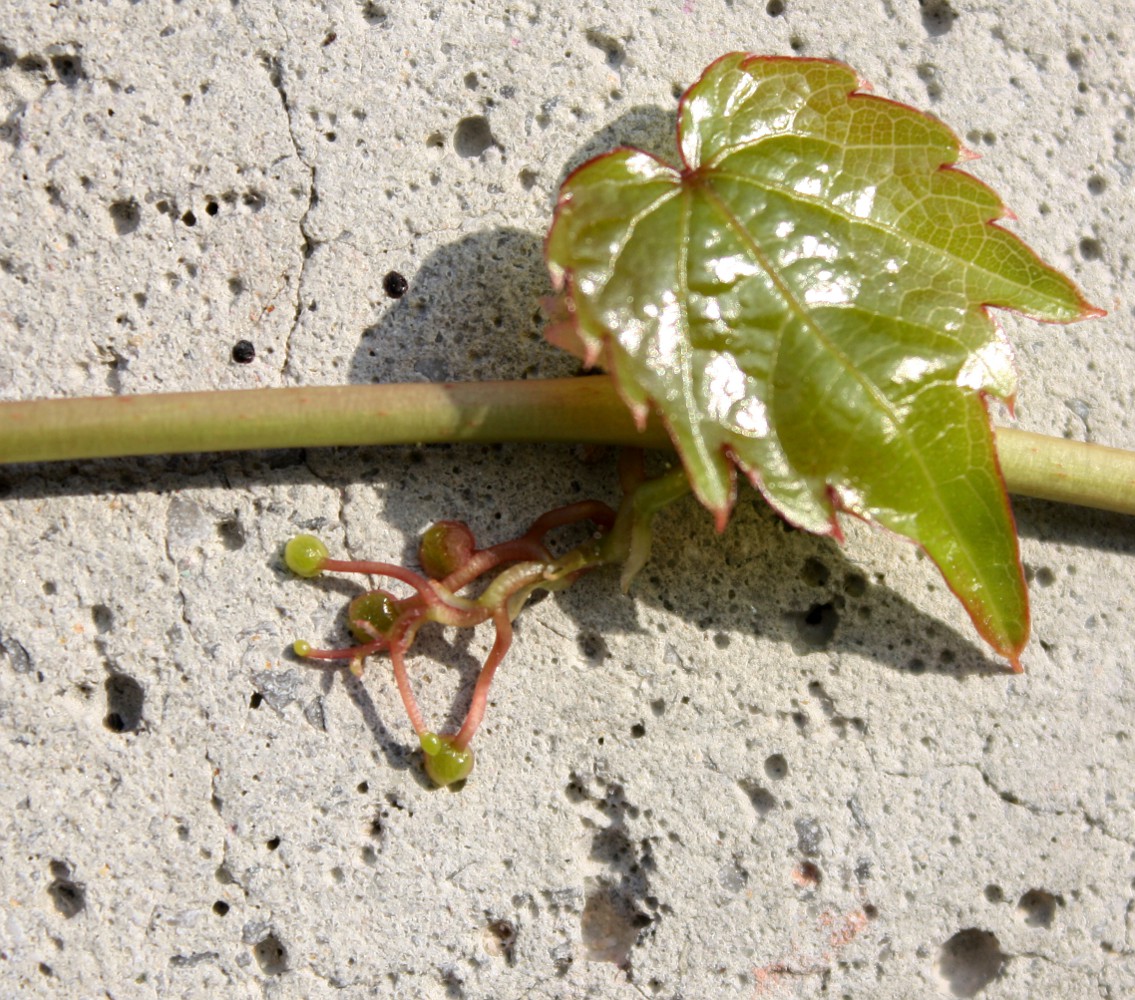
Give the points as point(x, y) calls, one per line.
point(805, 297)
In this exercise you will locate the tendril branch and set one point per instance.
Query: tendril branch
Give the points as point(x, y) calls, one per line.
point(510, 571)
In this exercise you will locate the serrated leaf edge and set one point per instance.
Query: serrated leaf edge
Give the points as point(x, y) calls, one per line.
point(598, 348)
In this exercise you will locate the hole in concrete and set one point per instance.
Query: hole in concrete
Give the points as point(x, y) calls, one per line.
point(374, 13)
point(231, 534)
point(472, 136)
point(575, 790)
point(69, 897)
point(271, 956)
point(928, 74)
point(32, 64)
point(376, 825)
point(818, 624)
point(593, 646)
point(500, 940)
point(776, 767)
point(1037, 908)
point(68, 69)
point(613, 51)
point(807, 875)
point(938, 16)
point(761, 799)
point(970, 961)
point(125, 699)
point(102, 617)
point(814, 573)
point(608, 926)
point(126, 216)
point(1091, 249)
point(394, 284)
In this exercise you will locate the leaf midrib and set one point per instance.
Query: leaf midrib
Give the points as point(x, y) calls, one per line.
point(684, 184)
point(704, 184)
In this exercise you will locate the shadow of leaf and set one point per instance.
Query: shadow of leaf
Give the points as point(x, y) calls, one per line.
point(472, 311)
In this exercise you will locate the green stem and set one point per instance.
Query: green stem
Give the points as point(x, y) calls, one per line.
point(573, 410)
point(576, 410)
point(1051, 468)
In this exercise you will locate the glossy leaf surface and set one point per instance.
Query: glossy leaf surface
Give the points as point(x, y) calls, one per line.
point(805, 297)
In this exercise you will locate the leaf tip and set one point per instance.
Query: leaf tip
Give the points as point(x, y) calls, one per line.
point(1085, 310)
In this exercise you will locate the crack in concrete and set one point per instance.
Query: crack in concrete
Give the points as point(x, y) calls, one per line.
point(276, 76)
point(341, 492)
point(334, 982)
point(182, 597)
point(1092, 821)
point(1128, 911)
point(1010, 798)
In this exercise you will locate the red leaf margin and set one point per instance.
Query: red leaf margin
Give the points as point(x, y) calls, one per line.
point(563, 328)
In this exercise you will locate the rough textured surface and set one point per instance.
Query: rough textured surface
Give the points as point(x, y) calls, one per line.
point(779, 769)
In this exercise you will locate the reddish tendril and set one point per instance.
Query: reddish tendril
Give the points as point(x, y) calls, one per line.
point(451, 562)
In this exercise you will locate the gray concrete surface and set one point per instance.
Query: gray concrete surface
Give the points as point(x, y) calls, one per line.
point(778, 769)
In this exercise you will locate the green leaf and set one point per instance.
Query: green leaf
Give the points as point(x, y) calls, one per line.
point(805, 297)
